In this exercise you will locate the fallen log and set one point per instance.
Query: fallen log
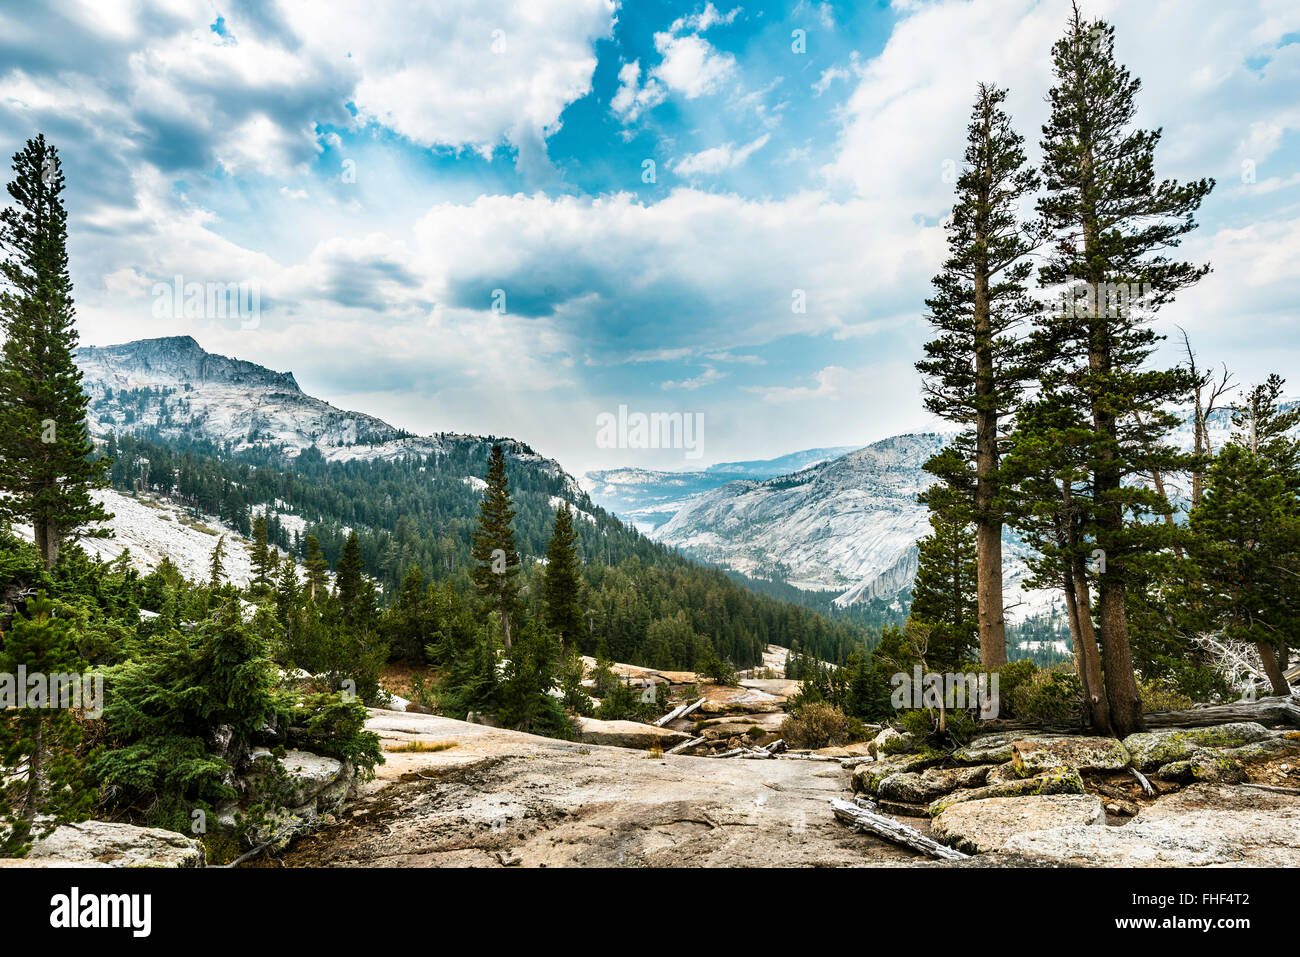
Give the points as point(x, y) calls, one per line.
point(675, 713)
point(1147, 789)
point(1282, 709)
point(685, 745)
point(729, 754)
point(861, 819)
point(804, 756)
point(775, 746)
point(1273, 787)
point(693, 707)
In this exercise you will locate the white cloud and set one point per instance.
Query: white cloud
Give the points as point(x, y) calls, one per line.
point(632, 99)
point(709, 376)
point(706, 18)
point(691, 65)
point(451, 74)
point(718, 159)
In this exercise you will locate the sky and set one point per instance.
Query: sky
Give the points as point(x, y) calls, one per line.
point(514, 217)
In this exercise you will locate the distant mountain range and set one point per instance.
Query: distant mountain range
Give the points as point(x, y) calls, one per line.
point(649, 498)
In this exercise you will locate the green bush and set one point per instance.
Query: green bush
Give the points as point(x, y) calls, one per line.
point(821, 725)
point(1051, 696)
point(1159, 696)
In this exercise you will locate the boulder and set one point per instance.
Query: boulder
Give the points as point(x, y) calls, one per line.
point(867, 777)
point(981, 826)
point(1204, 764)
point(314, 779)
point(989, 748)
point(1151, 749)
point(903, 809)
point(106, 844)
point(1035, 755)
point(1001, 773)
point(628, 734)
point(1060, 781)
point(910, 787)
point(726, 699)
point(889, 741)
point(952, 778)
point(1202, 825)
point(1283, 745)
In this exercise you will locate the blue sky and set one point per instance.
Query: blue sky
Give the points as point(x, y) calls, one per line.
point(385, 173)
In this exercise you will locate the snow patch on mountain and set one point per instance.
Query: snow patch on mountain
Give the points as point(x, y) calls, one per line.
point(149, 529)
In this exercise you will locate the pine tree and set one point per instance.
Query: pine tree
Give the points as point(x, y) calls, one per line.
point(562, 581)
point(216, 568)
point(1112, 222)
point(317, 568)
point(45, 469)
point(945, 590)
point(288, 594)
point(496, 561)
point(261, 556)
point(355, 593)
point(42, 776)
point(1247, 530)
point(975, 367)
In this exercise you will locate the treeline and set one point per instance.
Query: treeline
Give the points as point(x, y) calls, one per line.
point(642, 602)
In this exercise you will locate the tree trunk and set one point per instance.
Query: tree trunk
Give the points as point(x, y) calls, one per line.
point(1117, 658)
point(1094, 688)
point(1273, 668)
point(35, 776)
point(988, 524)
point(46, 539)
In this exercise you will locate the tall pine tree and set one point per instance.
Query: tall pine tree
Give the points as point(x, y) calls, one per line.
point(45, 469)
point(496, 568)
point(974, 369)
point(562, 581)
point(1112, 223)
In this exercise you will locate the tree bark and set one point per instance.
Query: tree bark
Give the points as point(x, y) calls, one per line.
point(1117, 659)
point(46, 539)
point(1273, 668)
point(1094, 688)
point(988, 522)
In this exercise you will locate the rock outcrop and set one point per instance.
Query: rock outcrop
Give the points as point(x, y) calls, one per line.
point(106, 844)
point(1151, 749)
point(1201, 826)
point(983, 826)
point(627, 734)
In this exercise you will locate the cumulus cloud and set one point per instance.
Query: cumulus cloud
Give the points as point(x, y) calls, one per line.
point(689, 65)
point(634, 98)
point(718, 159)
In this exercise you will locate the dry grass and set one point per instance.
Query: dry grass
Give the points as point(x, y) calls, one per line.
point(422, 747)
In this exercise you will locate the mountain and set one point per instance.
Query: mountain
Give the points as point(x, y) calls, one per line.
point(649, 498)
point(849, 524)
point(171, 389)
